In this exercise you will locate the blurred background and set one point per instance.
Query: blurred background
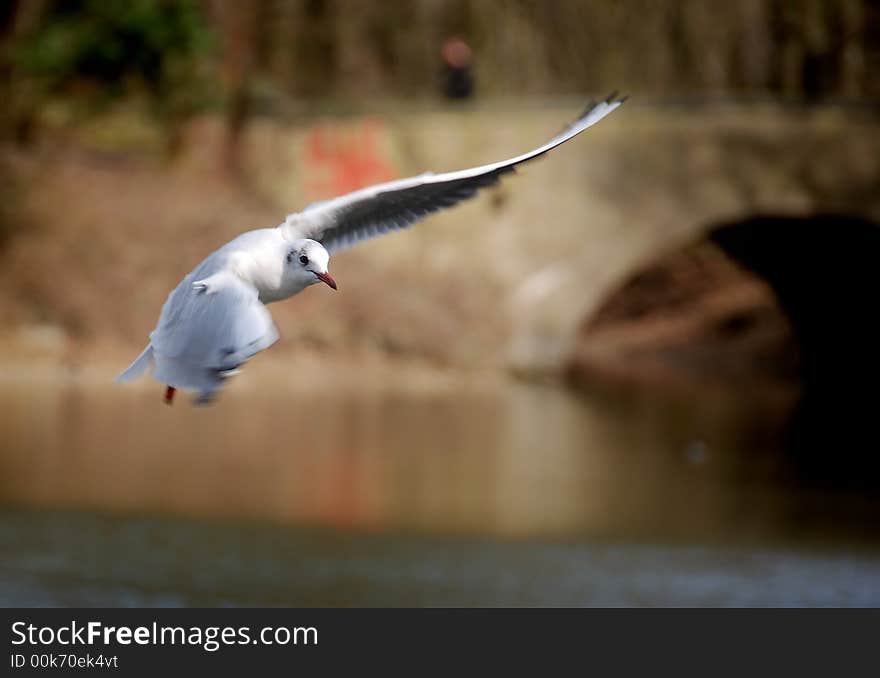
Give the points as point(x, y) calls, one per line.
point(643, 371)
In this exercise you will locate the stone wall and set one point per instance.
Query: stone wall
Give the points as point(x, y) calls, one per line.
point(554, 239)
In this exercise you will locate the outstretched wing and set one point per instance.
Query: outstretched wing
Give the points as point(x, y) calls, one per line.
point(342, 222)
point(216, 324)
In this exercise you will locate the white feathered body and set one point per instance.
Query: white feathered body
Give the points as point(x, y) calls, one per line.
point(204, 334)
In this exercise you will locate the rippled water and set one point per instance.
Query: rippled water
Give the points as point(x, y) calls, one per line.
point(502, 495)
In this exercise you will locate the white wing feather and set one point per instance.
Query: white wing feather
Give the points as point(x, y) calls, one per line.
point(342, 222)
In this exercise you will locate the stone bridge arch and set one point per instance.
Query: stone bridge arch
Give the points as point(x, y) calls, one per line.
point(766, 298)
point(545, 249)
point(772, 308)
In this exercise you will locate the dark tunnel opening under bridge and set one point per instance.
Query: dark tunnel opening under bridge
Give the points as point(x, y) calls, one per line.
point(757, 303)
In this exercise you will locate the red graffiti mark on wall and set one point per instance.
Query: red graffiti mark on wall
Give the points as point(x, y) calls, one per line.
point(339, 161)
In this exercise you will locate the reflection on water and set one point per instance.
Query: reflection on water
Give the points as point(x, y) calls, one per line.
point(521, 460)
point(400, 470)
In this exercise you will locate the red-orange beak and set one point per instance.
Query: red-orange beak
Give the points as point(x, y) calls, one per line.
point(326, 278)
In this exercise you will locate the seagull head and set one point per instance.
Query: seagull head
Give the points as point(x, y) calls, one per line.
point(310, 260)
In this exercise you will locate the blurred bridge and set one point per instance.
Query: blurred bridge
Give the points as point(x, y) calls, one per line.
point(555, 239)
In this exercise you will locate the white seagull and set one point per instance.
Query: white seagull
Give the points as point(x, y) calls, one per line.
point(216, 318)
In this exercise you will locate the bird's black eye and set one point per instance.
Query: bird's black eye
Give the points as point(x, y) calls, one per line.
point(303, 259)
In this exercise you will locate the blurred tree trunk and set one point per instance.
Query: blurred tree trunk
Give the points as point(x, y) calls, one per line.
point(239, 27)
point(756, 45)
point(17, 112)
point(281, 22)
point(8, 15)
point(852, 66)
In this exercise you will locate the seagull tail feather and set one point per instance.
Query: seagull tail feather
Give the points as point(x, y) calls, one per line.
point(138, 367)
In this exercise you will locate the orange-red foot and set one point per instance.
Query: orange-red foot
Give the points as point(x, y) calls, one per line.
point(169, 395)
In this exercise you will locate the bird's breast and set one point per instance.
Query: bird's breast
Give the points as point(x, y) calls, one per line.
point(282, 289)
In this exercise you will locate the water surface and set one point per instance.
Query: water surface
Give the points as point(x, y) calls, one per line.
point(498, 494)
